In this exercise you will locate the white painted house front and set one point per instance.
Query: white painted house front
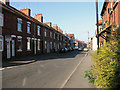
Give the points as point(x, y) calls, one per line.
point(94, 43)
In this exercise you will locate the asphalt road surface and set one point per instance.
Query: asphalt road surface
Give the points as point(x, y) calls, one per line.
point(54, 71)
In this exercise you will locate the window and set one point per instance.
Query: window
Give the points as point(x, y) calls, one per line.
point(19, 24)
point(38, 29)
point(28, 43)
point(1, 43)
point(54, 35)
point(51, 34)
point(1, 19)
point(19, 43)
point(45, 32)
point(61, 38)
point(45, 44)
point(58, 45)
point(58, 36)
point(38, 44)
point(51, 45)
point(28, 27)
point(54, 44)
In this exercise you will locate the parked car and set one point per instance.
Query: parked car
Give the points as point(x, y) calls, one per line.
point(79, 49)
point(76, 48)
point(86, 49)
point(66, 49)
point(63, 50)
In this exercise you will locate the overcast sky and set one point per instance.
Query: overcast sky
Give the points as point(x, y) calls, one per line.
point(71, 17)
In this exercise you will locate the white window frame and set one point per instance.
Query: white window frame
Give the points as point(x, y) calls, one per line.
point(19, 22)
point(1, 20)
point(51, 34)
point(45, 32)
point(54, 35)
point(38, 30)
point(1, 40)
point(19, 38)
point(28, 43)
point(28, 27)
point(51, 45)
point(38, 44)
point(45, 44)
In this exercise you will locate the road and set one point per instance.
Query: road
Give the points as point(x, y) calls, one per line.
point(55, 71)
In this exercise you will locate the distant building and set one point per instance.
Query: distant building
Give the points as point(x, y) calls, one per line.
point(94, 43)
point(71, 40)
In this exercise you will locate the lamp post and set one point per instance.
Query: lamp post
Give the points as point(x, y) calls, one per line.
point(97, 24)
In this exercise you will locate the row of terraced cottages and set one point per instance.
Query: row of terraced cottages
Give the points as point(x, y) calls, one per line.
point(24, 35)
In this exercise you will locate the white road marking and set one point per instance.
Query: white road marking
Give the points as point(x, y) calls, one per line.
point(62, 86)
point(24, 81)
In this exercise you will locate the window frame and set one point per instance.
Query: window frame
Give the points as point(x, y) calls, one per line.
point(51, 34)
point(28, 48)
point(2, 46)
point(38, 30)
point(45, 32)
point(19, 22)
point(45, 45)
point(51, 44)
point(39, 44)
point(2, 19)
point(29, 25)
point(54, 35)
point(19, 38)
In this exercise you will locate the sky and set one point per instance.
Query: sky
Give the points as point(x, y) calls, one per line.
point(72, 17)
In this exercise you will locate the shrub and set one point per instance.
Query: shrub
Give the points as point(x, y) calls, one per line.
point(89, 75)
point(106, 67)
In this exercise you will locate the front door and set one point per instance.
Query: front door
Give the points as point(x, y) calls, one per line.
point(13, 47)
point(8, 49)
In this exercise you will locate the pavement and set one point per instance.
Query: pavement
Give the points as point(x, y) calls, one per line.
point(77, 80)
point(56, 70)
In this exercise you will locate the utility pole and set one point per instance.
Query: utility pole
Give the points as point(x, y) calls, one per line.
point(97, 24)
point(88, 41)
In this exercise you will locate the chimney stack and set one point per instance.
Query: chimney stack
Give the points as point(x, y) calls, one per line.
point(26, 11)
point(49, 24)
point(7, 2)
point(39, 17)
point(60, 30)
point(55, 27)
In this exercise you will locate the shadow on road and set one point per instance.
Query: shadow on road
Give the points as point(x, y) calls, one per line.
point(31, 59)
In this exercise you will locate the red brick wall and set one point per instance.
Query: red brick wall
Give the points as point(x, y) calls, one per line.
point(10, 28)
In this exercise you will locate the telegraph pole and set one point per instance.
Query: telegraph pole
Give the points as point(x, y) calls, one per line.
point(97, 24)
point(88, 41)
